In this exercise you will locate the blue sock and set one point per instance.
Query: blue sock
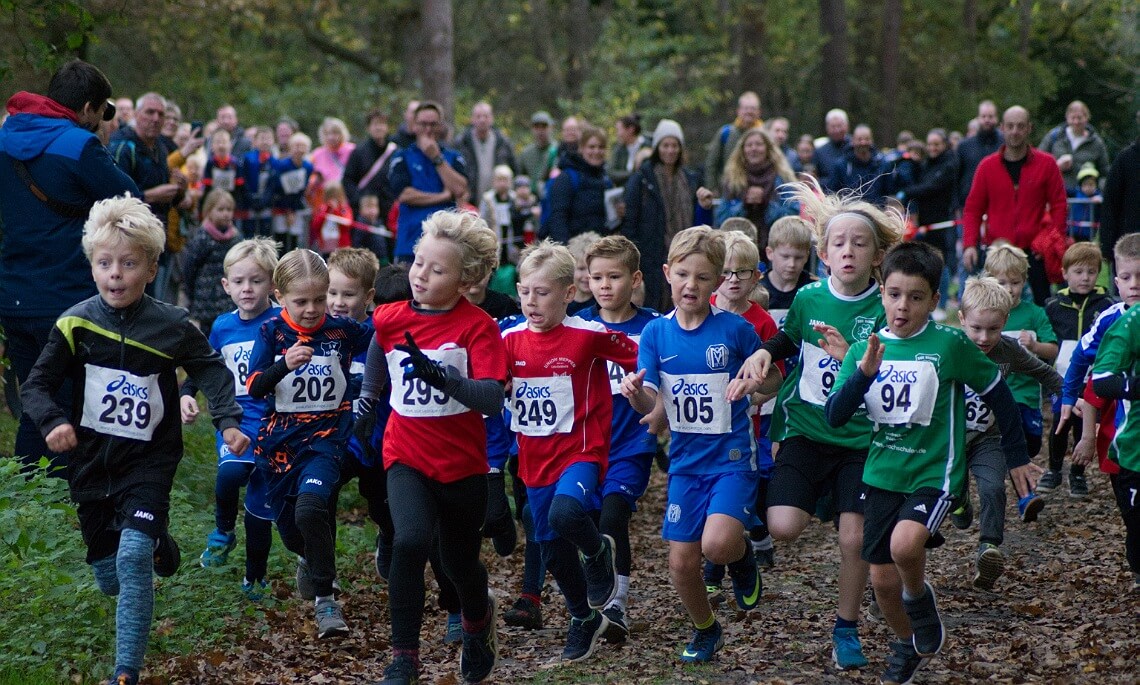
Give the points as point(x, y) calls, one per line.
point(135, 562)
point(841, 622)
point(106, 576)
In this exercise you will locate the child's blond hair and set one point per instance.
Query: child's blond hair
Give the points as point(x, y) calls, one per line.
point(124, 220)
point(616, 247)
point(1005, 260)
point(299, 137)
point(760, 296)
point(1127, 247)
point(478, 245)
point(1082, 253)
point(739, 223)
point(580, 244)
point(740, 248)
point(357, 263)
point(790, 231)
point(700, 240)
point(984, 293)
point(300, 266)
point(215, 198)
point(503, 171)
point(549, 255)
point(263, 252)
point(335, 191)
point(823, 208)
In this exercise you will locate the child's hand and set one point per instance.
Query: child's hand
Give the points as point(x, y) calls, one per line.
point(705, 197)
point(632, 384)
point(1027, 338)
point(739, 388)
point(756, 366)
point(832, 342)
point(237, 441)
point(297, 356)
point(189, 407)
point(1084, 452)
point(656, 421)
point(872, 358)
point(1066, 413)
point(62, 438)
point(1025, 478)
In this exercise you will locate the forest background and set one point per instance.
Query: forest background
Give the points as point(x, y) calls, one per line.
point(894, 64)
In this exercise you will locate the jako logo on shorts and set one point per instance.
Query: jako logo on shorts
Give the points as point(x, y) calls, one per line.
point(313, 481)
point(140, 514)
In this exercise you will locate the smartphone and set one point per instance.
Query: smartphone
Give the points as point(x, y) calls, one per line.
point(197, 126)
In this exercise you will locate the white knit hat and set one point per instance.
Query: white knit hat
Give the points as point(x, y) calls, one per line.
point(667, 128)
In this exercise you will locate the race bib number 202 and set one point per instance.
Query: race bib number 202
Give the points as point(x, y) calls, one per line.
point(121, 404)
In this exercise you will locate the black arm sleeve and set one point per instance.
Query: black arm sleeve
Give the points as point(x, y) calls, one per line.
point(189, 388)
point(844, 402)
point(1117, 386)
point(780, 346)
point(375, 372)
point(44, 380)
point(484, 396)
point(264, 382)
point(1000, 400)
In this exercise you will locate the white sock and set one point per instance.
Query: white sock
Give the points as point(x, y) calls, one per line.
point(323, 599)
point(622, 597)
point(761, 545)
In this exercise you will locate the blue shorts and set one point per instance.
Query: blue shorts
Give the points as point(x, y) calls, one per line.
point(317, 475)
point(579, 481)
point(497, 461)
point(249, 426)
point(628, 477)
point(257, 495)
point(692, 498)
point(1030, 420)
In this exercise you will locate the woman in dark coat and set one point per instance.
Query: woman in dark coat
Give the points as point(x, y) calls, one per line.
point(932, 199)
point(577, 195)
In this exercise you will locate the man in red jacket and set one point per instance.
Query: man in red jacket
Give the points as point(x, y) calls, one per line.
point(1012, 189)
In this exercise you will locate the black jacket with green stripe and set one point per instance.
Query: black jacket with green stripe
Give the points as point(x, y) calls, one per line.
point(124, 402)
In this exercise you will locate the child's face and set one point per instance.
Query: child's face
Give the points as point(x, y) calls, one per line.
point(1013, 283)
point(347, 297)
point(435, 274)
point(1081, 278)
point(1128, 280)
point(306, 301)
point(908, 301)
point(544, 299)
point(787, 262)
point(220, 146)
point(369, 209)
point(983, 327)
point(263, 141)
point(805, 151)
point(522, 193)
point(612, 284)
point(582, 279)
point(501, 184)
point(222, 214)
point(1088, 186)
point(692, 281)
point(298, 149)
point(739, 279)
point(851, 252)
point(249, 286)
point(121, 273)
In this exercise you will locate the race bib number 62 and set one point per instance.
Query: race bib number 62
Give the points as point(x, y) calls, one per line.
point(121, 404)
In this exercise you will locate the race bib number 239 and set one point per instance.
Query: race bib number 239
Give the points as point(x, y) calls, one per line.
point(121, 404)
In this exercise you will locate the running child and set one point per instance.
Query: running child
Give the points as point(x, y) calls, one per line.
point(248, 280)
point(788, 251)
point(223, 171)
point(613, 266)
point(687, 366)
point(1072, 312)
point(983, 312)
point(447, 367)
point(583, 298)
point(258, 172)
point(911, 377)
point(816, 459)
point(301, 363)
point(121, 350)
point(562, 411)
point(203, 272)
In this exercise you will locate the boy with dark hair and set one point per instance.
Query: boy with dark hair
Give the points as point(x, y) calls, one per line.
point(911, 376)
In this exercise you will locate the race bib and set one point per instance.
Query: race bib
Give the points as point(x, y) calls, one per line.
point(778, 315)
point(237, 356)
point(817, 374)
point(224, 179)
point(542, 406)
point(904, 392)
point(1065, 356)
point(502, 214)
point(768, 407)
point(317, 386)
point(1015, 336)
point(695, 403)
point(979, 417)
point(121, 404)
point(293, 182)
point(616, 373)
point(413, 397)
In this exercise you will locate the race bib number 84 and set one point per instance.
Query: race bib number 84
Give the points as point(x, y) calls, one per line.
point(121, 404)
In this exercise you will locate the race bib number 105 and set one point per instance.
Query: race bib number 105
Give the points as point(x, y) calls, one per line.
point(696, 403)
point(121, 404)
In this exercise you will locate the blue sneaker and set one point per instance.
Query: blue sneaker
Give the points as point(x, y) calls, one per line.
point(846, 650)
point(1029, 507)
point(218, 548)
point(254, 591)
point(747, 584)
point(454, 629)
point(902, 663)
point(125, 676)
point(704, 644)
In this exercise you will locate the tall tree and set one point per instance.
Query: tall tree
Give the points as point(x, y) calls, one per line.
point(749, 39)
point(833, 66)
point(889, 70)
point(438, 65)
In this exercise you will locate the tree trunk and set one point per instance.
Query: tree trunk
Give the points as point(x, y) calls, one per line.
point(578, 42)
point(438, 66)
point(1025, 23)
point(551, 62)
point(833, 24)
point(748, 40)
point(889, 71)
point(972, 76)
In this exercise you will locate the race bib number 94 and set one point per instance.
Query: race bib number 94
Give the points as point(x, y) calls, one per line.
point(542, 406)
point(695, 403)
point(904, 392)
point(121, 404)
point(317, 386)
point(817, 374)
point(413, 397)
point(236, 356)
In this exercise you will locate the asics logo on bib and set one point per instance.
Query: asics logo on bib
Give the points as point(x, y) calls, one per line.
point(126, 388)
point(683, 389)
point(313, 481)
point(140, 514)
point(242, 354)
point(890, 375)
point(530, 392)
point(830, 363)
point(314, 369)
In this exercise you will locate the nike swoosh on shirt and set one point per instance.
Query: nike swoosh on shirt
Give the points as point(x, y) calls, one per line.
point(662, 360)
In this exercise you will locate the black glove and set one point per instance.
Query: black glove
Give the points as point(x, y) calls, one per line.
point(419, 365)
point(364, 423)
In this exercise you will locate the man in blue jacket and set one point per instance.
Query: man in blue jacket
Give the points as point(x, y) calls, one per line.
point(53, 168)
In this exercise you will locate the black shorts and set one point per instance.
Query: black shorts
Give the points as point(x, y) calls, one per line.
point(884, 508)
point(806, 469)
point(1126, 487)
point(144, 507)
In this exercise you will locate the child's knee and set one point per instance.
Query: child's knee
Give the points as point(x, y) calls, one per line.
point(908, 543)
point(850, 534)
point(311, 510)
point(885, 578)
point(683, 565)
point(565, 512)
point(106, 575)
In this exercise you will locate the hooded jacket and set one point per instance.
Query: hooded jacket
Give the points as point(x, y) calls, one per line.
point(39, 246)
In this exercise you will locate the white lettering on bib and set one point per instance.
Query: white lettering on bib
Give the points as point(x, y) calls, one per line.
point(979, 417)
point(818, 370)
point(293, 182)
point(317, 386)
point(413, 397)
point(904, 392)
point(542, 406)
point(236, 356)
point(224, 179)
point(696, 403)
point(121, 404)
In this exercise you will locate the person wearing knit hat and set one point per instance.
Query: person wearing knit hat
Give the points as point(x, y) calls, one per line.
point(667, 128)
point(1084, 203)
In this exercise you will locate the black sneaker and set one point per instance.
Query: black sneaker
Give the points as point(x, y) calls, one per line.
point(524, 614)
point(504, 536)
point(618, 630)
point(963, 516)
point(481, 649)
point(330, 619)
point(1078, 486)
point(765, 558)
point(988, 567)
point(167, 556)
point(383, 557)
point(402, 671)
point(929, 635)
point(601, 575)
point(583, 635)
point(747, 585)
point(902, 663)
point(1049, 481)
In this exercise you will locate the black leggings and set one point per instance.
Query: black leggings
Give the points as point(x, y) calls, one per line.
point(421, 506)
point(1126, 487)
point(1059, 444)
point(614, 521)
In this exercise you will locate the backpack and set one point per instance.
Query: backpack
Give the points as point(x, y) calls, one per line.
point(725, 132)
point(544, 215)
